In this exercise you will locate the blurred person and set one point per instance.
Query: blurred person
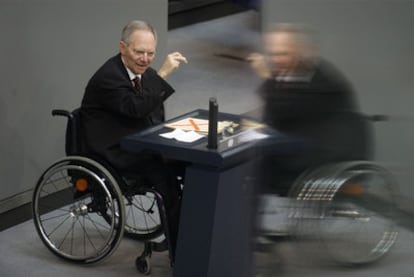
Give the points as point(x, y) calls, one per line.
point(307, 98)
point(124, 96)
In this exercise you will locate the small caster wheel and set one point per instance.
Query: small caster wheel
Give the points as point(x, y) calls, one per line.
point(143, 264)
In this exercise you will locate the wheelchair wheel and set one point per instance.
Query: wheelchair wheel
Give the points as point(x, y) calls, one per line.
point(78, 210)
point(142, 216)
point(348, 209)
point(143, 265)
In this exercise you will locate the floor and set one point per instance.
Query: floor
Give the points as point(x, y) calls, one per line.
point(212, 71)
point(23, 254)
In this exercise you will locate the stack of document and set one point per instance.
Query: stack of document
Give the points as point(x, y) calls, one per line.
point(181, 135)
point(198, 125)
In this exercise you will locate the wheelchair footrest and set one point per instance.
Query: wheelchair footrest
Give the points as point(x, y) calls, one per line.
point(159, 246)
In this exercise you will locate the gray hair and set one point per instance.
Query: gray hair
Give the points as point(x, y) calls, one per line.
point(302, 35)
point(136, 25)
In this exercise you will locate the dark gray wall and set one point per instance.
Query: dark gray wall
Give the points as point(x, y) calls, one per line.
point(49, 49)
point(372, 42)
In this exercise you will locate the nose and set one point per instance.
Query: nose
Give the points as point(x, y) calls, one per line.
point(144, 58)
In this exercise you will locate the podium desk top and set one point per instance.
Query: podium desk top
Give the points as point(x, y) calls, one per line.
point(232, 149)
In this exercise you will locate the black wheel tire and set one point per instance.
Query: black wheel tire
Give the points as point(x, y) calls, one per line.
point(143, 265)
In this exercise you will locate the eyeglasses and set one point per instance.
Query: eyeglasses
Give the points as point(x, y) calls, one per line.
point(141, 53)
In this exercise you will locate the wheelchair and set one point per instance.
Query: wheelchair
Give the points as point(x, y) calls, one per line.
point(345, 208)
point(82, 207)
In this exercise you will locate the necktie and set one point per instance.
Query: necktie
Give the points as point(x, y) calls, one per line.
point(137, 84)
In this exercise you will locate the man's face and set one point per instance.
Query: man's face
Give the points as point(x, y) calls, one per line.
point(139, 52)
point(282, 52)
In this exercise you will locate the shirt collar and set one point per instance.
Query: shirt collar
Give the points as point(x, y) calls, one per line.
point(131, 74)
point(295, 78)
point(303, 76)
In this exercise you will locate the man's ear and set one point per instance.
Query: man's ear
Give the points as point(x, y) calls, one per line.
point(122, 47)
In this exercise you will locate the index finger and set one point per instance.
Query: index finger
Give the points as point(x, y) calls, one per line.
point(180, 58)
point(254, 56)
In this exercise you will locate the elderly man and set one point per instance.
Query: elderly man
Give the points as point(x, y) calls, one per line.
point(307, 98)
point(126, 95)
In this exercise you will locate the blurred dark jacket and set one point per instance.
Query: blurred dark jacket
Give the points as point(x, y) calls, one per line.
point(317, 107)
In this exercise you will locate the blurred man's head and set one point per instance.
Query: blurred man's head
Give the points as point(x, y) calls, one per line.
point(137, 46)
point(288, 49)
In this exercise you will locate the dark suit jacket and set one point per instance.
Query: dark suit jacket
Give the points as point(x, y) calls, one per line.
point(112, 109)
point(322, 110)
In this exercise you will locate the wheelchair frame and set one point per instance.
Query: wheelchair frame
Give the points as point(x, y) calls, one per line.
point(82, 207)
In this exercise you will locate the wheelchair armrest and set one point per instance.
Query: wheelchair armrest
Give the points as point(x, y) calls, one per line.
point(378, 117)
point(61, 113)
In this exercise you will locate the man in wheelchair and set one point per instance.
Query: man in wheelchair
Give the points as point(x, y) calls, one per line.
point(306, 97)
point(126, 95)
point(336, 194)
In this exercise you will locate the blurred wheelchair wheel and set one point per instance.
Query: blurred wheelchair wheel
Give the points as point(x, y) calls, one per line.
point(348, 210)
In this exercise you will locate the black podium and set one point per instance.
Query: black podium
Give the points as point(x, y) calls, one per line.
point(215, 236)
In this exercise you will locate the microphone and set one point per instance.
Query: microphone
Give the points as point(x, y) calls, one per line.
point(212, 124)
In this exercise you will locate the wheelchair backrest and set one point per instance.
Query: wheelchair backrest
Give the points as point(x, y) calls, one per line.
point(355, 132)
point(73, 141)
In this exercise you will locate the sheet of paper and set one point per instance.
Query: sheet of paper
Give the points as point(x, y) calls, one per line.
point(190, 124)
point(181, 135)
point(198, 125)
